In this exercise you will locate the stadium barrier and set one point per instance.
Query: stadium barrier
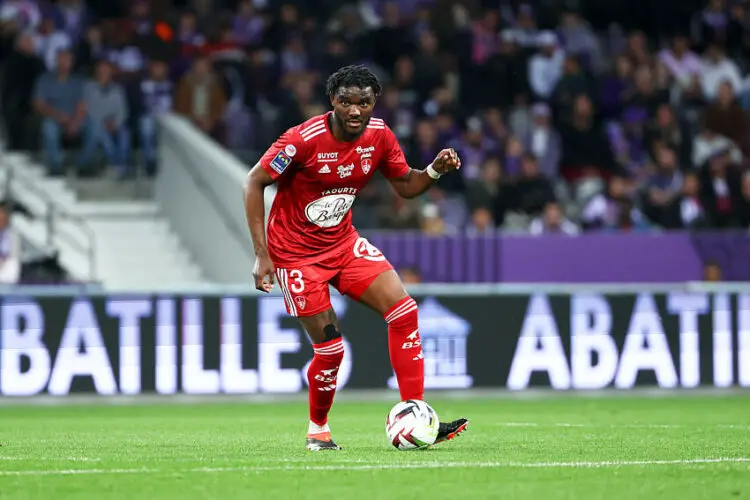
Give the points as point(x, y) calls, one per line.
point(205, 343)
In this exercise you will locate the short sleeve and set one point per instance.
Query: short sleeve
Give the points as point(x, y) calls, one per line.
point(394, 163)
point(283, 154)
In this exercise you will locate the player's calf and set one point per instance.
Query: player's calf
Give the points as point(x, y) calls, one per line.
point(321, 377)
point(405, 348)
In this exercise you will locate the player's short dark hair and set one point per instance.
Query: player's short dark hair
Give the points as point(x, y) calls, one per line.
point(353, 76)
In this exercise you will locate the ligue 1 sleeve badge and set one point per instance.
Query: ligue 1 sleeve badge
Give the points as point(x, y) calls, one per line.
point(366, 165)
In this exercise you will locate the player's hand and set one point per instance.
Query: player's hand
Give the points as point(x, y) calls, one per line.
point(446, 161)
point(263, 273)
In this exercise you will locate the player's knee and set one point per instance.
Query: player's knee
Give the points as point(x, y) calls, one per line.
point(332, 347)
point(330, 332)
point(404, 311)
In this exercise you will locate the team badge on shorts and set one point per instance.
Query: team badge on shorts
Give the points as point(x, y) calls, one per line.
point(301, 302)
point(366, 165)
point(281, 161)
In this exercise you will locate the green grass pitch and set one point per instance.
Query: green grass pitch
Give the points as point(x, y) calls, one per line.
point(552, 447)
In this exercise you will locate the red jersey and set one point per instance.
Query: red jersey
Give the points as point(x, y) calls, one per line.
point(318, 179)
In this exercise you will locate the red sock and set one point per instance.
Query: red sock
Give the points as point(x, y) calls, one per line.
point(321, 376)
point(405, 348)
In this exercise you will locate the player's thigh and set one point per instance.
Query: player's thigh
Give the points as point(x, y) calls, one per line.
point(307, 298)
point(369, 278)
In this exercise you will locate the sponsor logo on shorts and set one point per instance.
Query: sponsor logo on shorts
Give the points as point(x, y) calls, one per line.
point(363, 249)
point(301, 302)
point(330, 210)
point(290, 150)
point(280, 162)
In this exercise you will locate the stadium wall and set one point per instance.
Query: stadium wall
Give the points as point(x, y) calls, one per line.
point(235, 341)
point(199, 189)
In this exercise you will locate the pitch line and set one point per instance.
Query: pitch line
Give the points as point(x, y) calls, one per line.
point(372, 467)
point(620, 426)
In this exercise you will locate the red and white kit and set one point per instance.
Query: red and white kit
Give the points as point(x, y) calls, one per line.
point(311, 239)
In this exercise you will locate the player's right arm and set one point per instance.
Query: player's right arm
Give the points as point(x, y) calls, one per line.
point(277, 160)
point(255, 212)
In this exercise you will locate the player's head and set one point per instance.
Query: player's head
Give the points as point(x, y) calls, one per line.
point(353, 91)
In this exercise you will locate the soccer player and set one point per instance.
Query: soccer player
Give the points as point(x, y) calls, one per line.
point(320, 166)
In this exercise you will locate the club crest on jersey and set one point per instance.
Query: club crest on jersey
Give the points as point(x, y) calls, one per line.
point(345, 170)
point(366, 165)
point(280, 162)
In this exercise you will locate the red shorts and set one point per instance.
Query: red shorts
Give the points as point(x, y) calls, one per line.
point(305, 287)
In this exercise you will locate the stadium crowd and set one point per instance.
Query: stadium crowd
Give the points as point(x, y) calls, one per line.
point(563, 123)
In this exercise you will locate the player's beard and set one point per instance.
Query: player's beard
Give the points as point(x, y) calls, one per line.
point(346, 132)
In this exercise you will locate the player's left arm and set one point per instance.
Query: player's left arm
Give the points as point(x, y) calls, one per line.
point(409, 182)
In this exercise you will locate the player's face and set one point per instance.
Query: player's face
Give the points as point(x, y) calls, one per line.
point(352, 109)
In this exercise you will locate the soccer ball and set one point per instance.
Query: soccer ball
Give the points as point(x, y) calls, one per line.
point(412, 425)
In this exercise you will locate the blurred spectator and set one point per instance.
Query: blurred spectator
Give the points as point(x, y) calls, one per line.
point(531, 191)
point(552, 221)
point(721, 183)
point(72, 17)
point(663, 187)
point(201, 99)
point(504, 74)
point(603, 210)
point(543, 141)
point(49, 40)
point(410, 275)
point(10, 249)
point(637, 49)
point(108, 113)
point(546, 66)
point(15, 99)
point(18, 16)
point(156, 96)
point(708, 143)
point(482, 190)
point(126, 56)
point(686, 211)
point(586, 150)
point(58, 98)
point(628, 219)
point(682, 63)
point(473, 148)
point(431, 222)
point(645, 95)
point(90, 49)
point(727, 118)
point(525, 28)
point(616, 87)
point(666, 130)
point(248, 24)
point(710, 24)
point(481, 222)
point(392, 38)
point(712, 272)
point(572, 83)
point(579, 40)
point(716, 69)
